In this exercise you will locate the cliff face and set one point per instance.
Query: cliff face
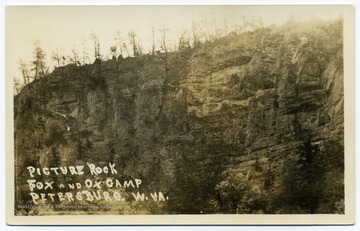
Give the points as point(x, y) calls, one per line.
point(249, 123)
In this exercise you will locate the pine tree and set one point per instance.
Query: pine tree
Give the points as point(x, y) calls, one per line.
point(39, 66)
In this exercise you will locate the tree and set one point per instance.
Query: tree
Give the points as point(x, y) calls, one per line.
point(113, 51)
point(75, 57)
point(153, 40)
point(163, 32)
point(235, 193)
point(24, 71)
point(126, 49)
point(225, 25)
point(217, 32)
point(56, 56)
point(95, 38)
point(119, 42)
point(238, 29)
point(197, 33)
point(63, 60)
point(85, 54)
point(260, 22)
point(17, 85)
point(301, 189)
point(133, 43)
point(207, 28)
point(39, 66)
point(184, 40)
point(245, 23)
point(139, 48)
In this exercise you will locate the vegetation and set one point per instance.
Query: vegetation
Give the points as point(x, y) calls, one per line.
point(131, 46)
point(267, 144)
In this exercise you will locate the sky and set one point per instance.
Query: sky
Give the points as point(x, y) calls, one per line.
point(68, 27)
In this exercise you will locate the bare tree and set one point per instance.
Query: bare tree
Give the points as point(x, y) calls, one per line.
point(126, 49)
point(56, 56)
point(207, 28)
point(153, 40)
point(139, 48)
point(217, 32)
point(163, 30)
point(95, 38)
point(250, 25)
point(68, 59)
point(133, 43)
point(238, 29)
point(17, 85)
point(119, 42)
point(225, 25)
point(260, 22)
point(85, 54)
point(184, 40)
point(197, 33)
point(75, 56)
point(24, 71)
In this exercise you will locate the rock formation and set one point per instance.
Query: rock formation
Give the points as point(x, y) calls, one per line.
point(248, 123)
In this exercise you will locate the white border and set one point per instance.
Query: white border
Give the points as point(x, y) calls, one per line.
point(82, 2)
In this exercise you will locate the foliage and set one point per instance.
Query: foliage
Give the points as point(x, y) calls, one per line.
point(194, 185)
point(236, 194)
point(252, 158)
point(95, 38)
point(39, 66)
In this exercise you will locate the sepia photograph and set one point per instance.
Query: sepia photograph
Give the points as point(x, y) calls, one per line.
point(180, 114)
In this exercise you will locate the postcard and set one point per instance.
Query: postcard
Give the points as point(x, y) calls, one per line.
point(187, 114)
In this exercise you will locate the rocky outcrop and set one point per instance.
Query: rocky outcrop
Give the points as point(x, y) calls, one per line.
point(267, 105)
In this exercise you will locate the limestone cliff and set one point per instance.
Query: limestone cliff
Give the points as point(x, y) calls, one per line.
point(249, 123)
